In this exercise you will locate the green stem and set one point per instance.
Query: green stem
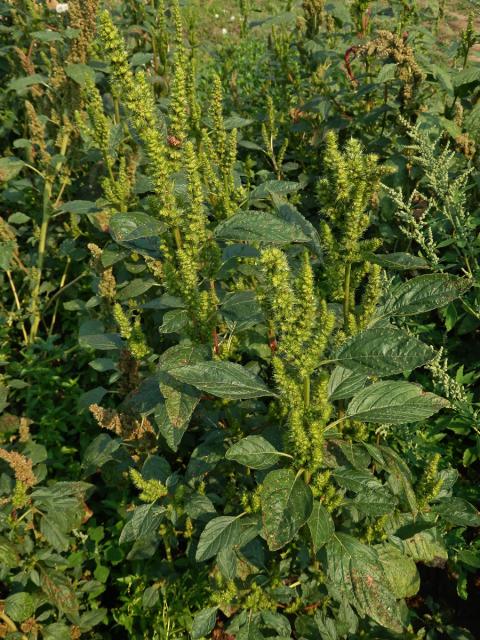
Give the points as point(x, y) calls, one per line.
point(306, 391)
point(17, 302)
point(178, 237)
point(346, 295)
point(42, 243)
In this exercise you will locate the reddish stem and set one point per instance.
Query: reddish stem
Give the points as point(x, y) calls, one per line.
point(216, 348)
point(351, 51)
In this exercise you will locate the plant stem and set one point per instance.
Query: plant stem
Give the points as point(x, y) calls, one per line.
point(61, 286)
point(178, 237)
point(346, 295)
point(10, 624)
point(17, 302)
point(42, 243)
point(306, 391)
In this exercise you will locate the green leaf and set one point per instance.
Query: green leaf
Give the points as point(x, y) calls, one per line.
point(222, 379)
point(59, 590)
point(259, 226)
point(466, 76)
point(278, 622)
point(139, 59)
point(203, 622)
point(400, 478)
point(47, 36)
point(401, 571)
point(394, 403)
point(344, 383)
point(384, 352)
point(422, 294)
point(220, 533)
point(18, 218)
point(286, 506)
point(19, 84)
point(150, 597)
point(80, 207)
point(56, 631)
point(80, 73)
point(355, 480)
point(250, 631)
point(374, 502)
point(138, 231)
point(399, 261)
point(62, 506)
point(227, 563)
point(181, 355)
point(156, 468)
point(19, 606)
point(468, 557)
point(135, 288)
point(103, 364)
point(326, 627)
point(321, 525)
point(9, 558)
point(458, 512)
point(274, 187)
point(10, 167)
point(241, 310)
point(91, 619)
point(386, 73)
point(356, 571)
point(236, 122)
point(199, 506)
point(254, 452)
point(143, 524)
point(288, 212)
point(173, 416)
point(174, 321)
point(7, 250)
point(442, 74)
point(426, 546)
point(99, 452)
point(91, 335)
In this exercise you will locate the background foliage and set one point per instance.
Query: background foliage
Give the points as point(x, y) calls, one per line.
point(239, 275)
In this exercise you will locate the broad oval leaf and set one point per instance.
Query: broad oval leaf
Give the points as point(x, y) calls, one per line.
point(220, 533)
point(19, 606)
point(286, 506)
point(254, 452)
point(222, 379)
point(274, 187)
point(458, 512)
point(288, 212)
point(398, 261)
point(80, 73)
point(422, 294)
point(355, 480)
point(80, 207)
point(260, 226)
point(143, 524)
point(401, 571)
point(384, 352)
point(138, 231)
point(241, 310)
point(321, 525)
point(203, 622)
point(374, 502)
point(344, 383)
point(395, 403)
point(10, 167)
point(356, 571)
